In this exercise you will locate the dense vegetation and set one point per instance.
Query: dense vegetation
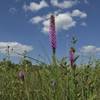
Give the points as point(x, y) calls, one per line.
point(49, 82)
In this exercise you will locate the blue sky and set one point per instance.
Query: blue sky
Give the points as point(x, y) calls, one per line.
point(26, 22)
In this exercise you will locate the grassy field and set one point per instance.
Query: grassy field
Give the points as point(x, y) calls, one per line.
point(49, 82)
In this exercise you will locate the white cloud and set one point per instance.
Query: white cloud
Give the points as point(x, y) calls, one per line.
point(35, 6)
point(17, 47)
point(36, 20)
point(45, 26)
point(63, 21)
point(78, 13)
point(90, 49)
point(64, 4)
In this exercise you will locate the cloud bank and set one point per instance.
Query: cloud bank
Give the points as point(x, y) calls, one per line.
point(64, 4)
point(90, 49)
point(35, 6)
point(64, 21)
point(14, 47)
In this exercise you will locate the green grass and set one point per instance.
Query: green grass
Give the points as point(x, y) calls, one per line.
point(43, 82)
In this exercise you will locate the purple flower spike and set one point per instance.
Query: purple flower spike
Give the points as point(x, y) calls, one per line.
point(21, 75)
point(52, 33)
point(72, 51)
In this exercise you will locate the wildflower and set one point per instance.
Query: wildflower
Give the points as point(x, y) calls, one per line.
point(21, 75)
point(53, 38)
point(72, 51)
point(53, 33)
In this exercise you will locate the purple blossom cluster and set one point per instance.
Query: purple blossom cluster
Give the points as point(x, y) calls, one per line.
point(72, 58)
point(21, 75)
point(52, 33)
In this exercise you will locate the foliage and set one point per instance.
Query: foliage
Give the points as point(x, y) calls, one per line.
point(49, 82)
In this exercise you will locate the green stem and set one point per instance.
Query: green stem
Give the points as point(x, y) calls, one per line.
point(54, 56)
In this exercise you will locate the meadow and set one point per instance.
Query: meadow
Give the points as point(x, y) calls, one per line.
point(49, 82)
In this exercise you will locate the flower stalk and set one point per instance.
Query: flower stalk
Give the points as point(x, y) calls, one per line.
point(53, 38)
